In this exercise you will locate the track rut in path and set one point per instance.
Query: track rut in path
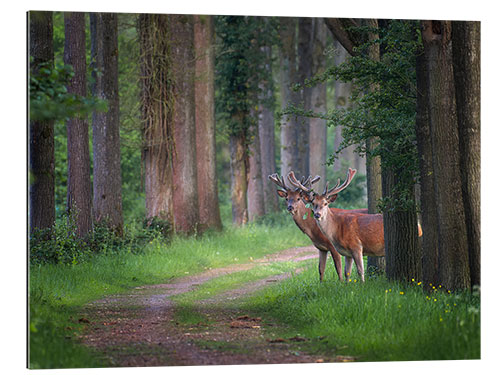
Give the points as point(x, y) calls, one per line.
point(138, 328)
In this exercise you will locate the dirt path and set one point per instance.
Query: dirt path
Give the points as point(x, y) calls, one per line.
point(138, 328)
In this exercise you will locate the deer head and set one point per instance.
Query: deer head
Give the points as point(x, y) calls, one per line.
point(292, 196)
point(319, 202)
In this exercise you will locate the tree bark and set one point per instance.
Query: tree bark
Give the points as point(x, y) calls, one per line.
point(467, 74)
point(42, 210)
point(454, 270)
point(79, 185)
point(208, 198)
point(288, 74)
point(266, 137)
point(255, 192)
point(238, 163)
point(106, 126)
point(403, 256)
point(185, 186)
point(317, 127)
point(430, 248)
point(156, 109)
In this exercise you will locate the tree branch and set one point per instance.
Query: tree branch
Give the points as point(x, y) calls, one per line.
point(341, 29)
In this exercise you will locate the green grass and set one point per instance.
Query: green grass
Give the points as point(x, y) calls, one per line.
point(57, 291)
point(374, 321)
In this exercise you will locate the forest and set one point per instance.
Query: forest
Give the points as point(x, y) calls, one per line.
point(163, 147)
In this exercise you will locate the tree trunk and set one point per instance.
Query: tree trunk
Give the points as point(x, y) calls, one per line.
point(317, 127)
point(79, 185)
point(156, 97)
point(106, 126)
point(453, 255)
point(208, 198)
point(255, 193)
point(42, 210)
point(266, 137)
point(288, 73)
point(185, 192)
point(238, 162)
point(403, 256)
point(430, 262)
point(305, 51)
point(467, 61)
point(373, 164)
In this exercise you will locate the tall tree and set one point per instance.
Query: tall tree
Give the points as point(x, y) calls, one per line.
point(317, 126)
point(454, 270)
point(106, 125)
point(466, 42)
point(255, 192)
point(234, 102)
point(305, 45)
point(41, 133)
point(79, 185)
point(204, 35)
point(266, 132)
point(156, 106)
point(430, 247)
point(184, 176)
point(288, 76)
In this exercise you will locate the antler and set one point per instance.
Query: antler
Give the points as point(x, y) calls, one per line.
point(302, 185)
point(337, 189)
point(280, 182)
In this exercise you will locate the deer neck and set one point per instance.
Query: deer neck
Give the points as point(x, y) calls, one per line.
point(298, 217)
point(329, 225)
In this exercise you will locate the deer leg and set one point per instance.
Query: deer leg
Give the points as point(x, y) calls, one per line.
point(347, 268)
point(322, 263)
point(337, 260)
point(358, 259)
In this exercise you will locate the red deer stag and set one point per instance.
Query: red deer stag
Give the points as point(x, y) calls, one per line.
point(307, 224)
point(352, 234)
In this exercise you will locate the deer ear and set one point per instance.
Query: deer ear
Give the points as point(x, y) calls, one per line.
point(282, 193)
point(332, 198)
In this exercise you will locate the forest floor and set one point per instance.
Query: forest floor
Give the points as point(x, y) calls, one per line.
point(142, 327)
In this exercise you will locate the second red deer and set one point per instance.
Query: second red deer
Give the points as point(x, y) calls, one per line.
point(353, 235)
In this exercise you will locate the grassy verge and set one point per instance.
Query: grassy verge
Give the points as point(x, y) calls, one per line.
point(374, 321)
point(57, 291)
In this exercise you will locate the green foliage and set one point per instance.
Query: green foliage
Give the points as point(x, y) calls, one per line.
point(130, 118)
point(49, 97)
point(239, 68)
point(61, 245)
point(384, 97)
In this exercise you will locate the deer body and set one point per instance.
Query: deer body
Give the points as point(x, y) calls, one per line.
point(354, 235)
